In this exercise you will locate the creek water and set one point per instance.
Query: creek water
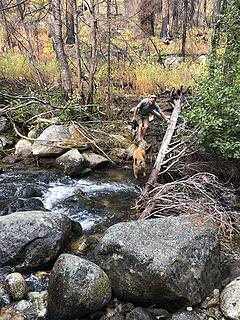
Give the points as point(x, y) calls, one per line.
point(96, 201)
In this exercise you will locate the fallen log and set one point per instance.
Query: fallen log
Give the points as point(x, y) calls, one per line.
point(176, 101)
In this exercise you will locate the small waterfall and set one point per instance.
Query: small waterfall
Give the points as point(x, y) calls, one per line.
point(100, 198)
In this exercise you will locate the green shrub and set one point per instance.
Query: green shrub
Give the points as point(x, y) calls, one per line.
point(216, 110)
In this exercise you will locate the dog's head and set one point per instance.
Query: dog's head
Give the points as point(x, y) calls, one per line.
point(142, 144)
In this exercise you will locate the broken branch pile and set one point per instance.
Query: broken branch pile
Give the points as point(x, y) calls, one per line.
point(200, 193)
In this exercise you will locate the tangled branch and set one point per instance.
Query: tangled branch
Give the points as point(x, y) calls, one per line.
point(202, 193)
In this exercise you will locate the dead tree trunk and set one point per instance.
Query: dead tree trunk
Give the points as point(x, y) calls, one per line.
point(109, 51)
point(59, 48)
point(77, 49)
point(70, 38)
point(184, 32)
point(31, 54)
point(164, 147)
point(165, 19)
point(93, 59)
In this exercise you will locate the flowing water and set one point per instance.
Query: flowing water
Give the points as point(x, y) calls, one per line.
point(95, 201)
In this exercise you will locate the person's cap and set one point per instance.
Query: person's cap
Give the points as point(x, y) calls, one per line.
point(153, 96)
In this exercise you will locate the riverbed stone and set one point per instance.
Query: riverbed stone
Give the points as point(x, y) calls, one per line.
point(56, 139)
point(24, 205)
point(23, 148)
point(9, 313)
point(185, 315)
point(72, 162)
point(4, 124)
point(162, 260)
point(16, 286)
point(39, 302)
point(33, 238)
point(76, 287)
point(4, 142)
point(95, 160)
point(139, 314)
point(230, 300)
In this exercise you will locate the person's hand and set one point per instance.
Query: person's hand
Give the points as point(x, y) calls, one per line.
point(134, 118)
point(168, 120)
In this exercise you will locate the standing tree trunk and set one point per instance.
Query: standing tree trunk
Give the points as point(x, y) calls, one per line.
point(147, 16)
point(77, 47)
point(93, 66)
point(116, 7)
point(215, 35)
point(205, 19)
point(8, 38)
point(109, 50)
point(165, 19)
point(175, 17)
point(70, 38)
point(184, 31)
point(59, 48)
point(30, 47)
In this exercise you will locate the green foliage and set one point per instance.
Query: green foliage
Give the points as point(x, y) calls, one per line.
point(216, 109)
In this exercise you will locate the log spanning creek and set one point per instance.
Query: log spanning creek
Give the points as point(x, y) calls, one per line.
point(96, 201)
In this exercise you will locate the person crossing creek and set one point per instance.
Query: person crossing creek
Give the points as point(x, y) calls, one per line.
point(141, 114)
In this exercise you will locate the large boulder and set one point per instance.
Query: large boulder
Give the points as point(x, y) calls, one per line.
point(162, 260)
point(72, 162)
point(230, 300)
point(56, 139)
point(33, 238)
point(76, 287)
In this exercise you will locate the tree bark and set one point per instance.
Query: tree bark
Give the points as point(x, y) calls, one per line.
point(59, 48)
point(175, 17)
point(109, 50)
point(184, 31)
point(165, 19)
point(70, 38)
point(93, 66)
point(77, 49)
point(147, 16)
point(8, 38)
point(30, 47)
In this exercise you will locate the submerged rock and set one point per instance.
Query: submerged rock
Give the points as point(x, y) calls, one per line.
point(162, 260)
point(76, 287)
point(33, 238)
point(24, 205)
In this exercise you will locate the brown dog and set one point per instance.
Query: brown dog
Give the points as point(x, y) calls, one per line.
point(139, 159)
